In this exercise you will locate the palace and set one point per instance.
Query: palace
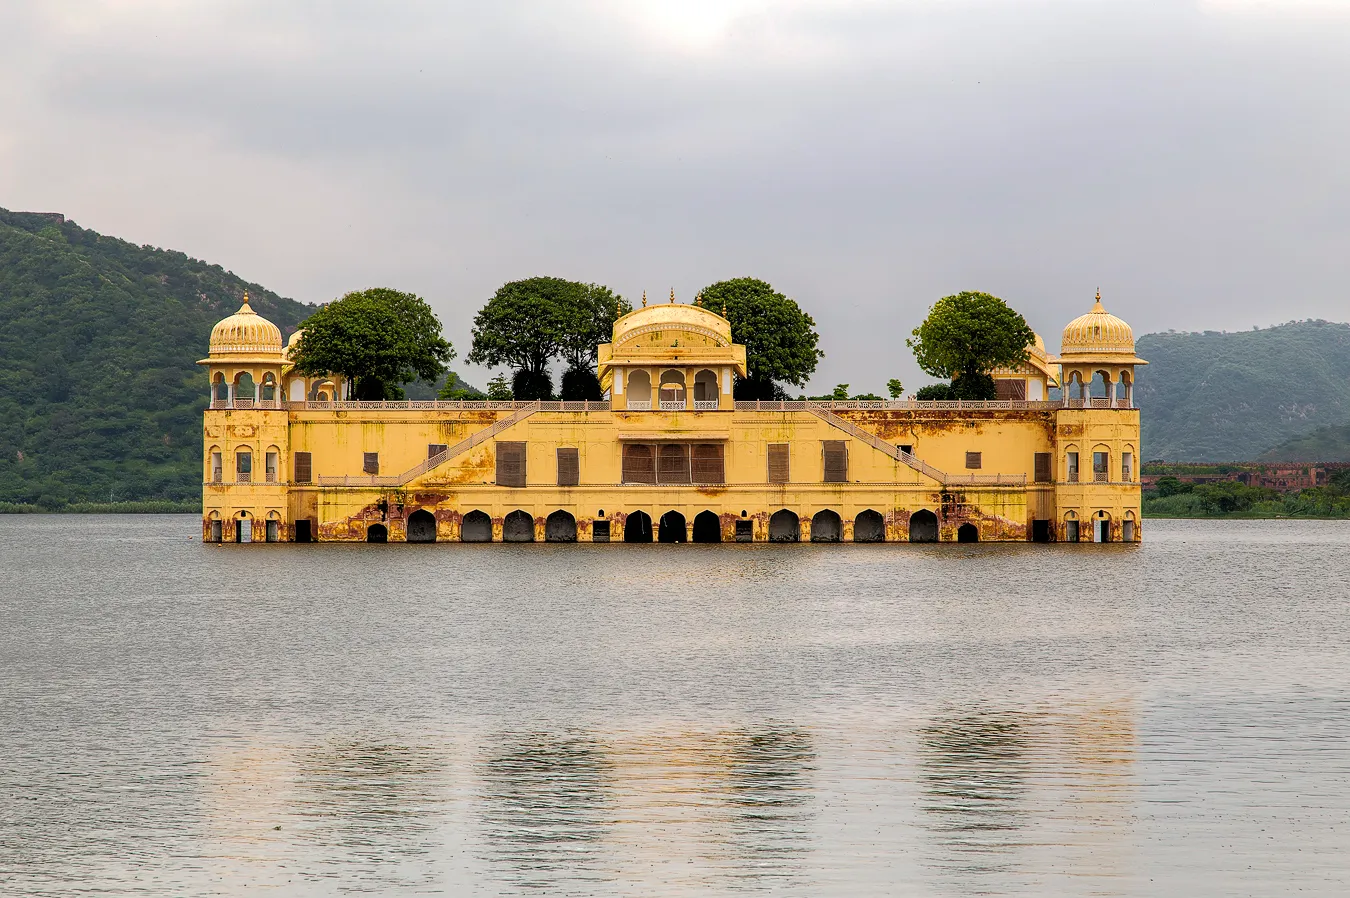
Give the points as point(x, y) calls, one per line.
point(671, 456)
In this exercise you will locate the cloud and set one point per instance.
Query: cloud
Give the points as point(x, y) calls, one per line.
point(866, 157)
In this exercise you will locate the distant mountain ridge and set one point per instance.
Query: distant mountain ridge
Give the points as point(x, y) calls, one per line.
point(100, 396)
point(1215, 396)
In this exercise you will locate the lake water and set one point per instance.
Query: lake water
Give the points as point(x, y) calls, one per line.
point(1168, 719)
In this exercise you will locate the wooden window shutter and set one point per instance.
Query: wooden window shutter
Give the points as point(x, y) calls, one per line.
point(371, 463)
point(708, 465)
point(569, 466)
point(778, 463)
point(435, 449)
point(304, 467)
point(974, 460)
point(673, 465)
point(1010, 389)
point(836, 461)
point(1043, 467)
point(639, 466)
point(510, 464)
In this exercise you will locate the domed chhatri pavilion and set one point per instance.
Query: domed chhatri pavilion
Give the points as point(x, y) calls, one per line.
point(670, 456)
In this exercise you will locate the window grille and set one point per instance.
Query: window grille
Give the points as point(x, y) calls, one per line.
point(639, 465)
point(569, 466)
point(1043, 467)
point(673, 466)
point(778, 463)
point(836, 461)
point(708, 463)
point(974, 460)
point(510, 464)
point(304, 471)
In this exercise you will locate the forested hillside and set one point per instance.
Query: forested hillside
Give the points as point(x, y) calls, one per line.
point(100, 399)
point(1322, 444)
point(1232, 396)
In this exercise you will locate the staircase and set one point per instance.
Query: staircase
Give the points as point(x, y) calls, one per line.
point(440, 458)
point(877, 442)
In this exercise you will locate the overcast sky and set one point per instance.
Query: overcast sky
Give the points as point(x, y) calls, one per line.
point(1190, 158)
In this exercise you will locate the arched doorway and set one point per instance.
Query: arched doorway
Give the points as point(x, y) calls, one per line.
point(826, 527)
point(637, 528)
point(672, 528)
point(560, 527)
point(705, 389)
point(639, 389)
point(518, 527)
point(1101, 527)
point(421, 527)
point(707, 527)
point(968, 533)
point(476, 528)
point(784, 527)
point(377, 533)
point(869, 527)
point(923, 527)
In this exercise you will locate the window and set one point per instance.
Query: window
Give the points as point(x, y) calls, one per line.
point(639, 464)
point(600, 532)
point(1043, 467)
point(745, 531)
point(435, 449)
point(974, 460)
point(371, 463)
point(510, 464)
point(270, 467)
point(1101, 466)
point(836, 461)
point(304, 470)
point(778, 463)
point(1127, 466)
point(673, 466)
point(1071, 531)
point(1010, 389)
point(907, 448)
point(708, 466)
point(1073, 470)
point(569, 466)
point(217, 468)
point(243, 466)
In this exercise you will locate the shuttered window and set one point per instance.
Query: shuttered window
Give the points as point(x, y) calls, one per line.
point(371, 463)
point(304, 468)
point(974, 460)
point(673, 466)
point(639, 464)
point(510, 464)
point(1043, 467)
point(836, 461)
point(1010, 389)
point(708, 465)
point(569, 466)
point(778, 463)
point(435, 449)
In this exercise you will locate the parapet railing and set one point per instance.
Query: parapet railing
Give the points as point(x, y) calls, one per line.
point(753, 405)
point(523, 411)
point(355, 405)
point(801, 405)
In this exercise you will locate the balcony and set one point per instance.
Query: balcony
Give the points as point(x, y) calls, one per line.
point(639, 405)
point(1100, 477)
point(672, 405)
point(706, 405)
point(243, 477)
point(1073, 477)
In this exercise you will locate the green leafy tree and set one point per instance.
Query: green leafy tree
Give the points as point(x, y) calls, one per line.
point(934, 393)
point(966, 336)
point(499, 389)
point(377, 339)
point(457, 390)
point(895, 388)
point(780, 339)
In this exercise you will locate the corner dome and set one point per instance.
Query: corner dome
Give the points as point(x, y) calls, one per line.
point(1096, 333)
point(245, 333)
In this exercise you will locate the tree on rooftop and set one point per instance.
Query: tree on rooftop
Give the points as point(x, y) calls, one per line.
point(377, 339)
point(968, 335)
point(780, 339)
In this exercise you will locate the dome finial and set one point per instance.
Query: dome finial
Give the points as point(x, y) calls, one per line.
point(1097, 306)
point(644, 299)
point(246, 309)
point(672, 294)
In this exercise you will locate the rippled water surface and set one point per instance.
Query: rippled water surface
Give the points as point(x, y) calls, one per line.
point(1166, 719)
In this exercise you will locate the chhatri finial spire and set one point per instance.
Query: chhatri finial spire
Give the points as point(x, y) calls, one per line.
point(672, 294)
point(644, 299)
point(1098, 307)
point(245, 307)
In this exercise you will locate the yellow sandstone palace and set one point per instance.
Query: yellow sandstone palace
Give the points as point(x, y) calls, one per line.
point(671, 456)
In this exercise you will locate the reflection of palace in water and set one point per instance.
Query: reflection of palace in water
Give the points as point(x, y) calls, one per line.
point(671, 455)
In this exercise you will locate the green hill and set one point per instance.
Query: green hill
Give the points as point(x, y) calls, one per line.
point(1322, 444)
point(100, 399)
point(1212, 397)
